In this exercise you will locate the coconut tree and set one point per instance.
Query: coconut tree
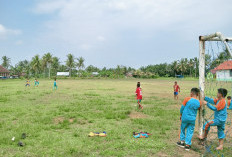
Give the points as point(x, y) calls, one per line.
point(182, 66)
point(55, 64)
point(5, 62)
point(46, 62)
point(36, 64)
point(70, 63)
point(80, 63)
point(196, 63)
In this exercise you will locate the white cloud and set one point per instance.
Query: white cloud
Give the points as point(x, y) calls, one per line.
point(49, 6)
point(85, 47)
point(4, 32)
point(19, 42)
point(83, 23)
point(101, 38)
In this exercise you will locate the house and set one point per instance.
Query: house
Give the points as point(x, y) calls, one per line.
point(4, 72)
point(223, 71)
point(62, 74)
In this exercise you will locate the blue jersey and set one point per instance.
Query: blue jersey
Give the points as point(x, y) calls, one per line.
point(54, 83)
point(220, 110)
point(189, 110)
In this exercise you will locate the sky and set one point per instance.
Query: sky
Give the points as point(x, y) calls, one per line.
point(108, 33)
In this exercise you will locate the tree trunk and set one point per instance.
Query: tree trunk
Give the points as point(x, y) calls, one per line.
point(70, 71)
point(49, 73)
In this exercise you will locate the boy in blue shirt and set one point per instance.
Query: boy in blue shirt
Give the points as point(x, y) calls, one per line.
point(220, 116)
point(188, 113)
point(55, 85)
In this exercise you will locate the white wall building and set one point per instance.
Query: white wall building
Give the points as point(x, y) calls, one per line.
point(223, 71)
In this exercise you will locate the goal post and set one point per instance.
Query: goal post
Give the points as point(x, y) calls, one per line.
point(202, 39)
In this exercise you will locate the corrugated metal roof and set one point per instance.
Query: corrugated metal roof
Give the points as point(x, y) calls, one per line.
point(3, 70)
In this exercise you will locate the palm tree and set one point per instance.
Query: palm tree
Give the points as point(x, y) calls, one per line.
point(35, 64)
point(55, 64)
point(6, 62)
point(46, 62)
point(175, 67)
point(191, 64)
point(182, 66)
point(80, 63)
point(70, 63)
point(196, 63)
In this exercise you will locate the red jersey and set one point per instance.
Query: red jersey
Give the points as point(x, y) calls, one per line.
point(139, 93)
point(176, 88)
point(229, 101)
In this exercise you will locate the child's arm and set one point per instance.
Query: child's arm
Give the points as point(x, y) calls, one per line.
point(182, 109)
point(211, 107)
point(209, 100)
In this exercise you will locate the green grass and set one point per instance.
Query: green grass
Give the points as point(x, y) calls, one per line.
point(57, 123)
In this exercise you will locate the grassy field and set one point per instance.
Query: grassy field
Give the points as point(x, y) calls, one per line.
point(57, 123)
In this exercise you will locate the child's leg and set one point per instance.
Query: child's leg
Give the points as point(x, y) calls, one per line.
point(221, 136)
point(206, 129)
point(189, 134)
point(182, 131)
point(139, 101)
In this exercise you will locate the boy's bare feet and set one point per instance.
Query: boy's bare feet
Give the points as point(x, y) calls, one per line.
point(220, 147)
point(201, 137)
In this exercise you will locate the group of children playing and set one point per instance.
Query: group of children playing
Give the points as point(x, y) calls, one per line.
point(188, 113)
point(37, 83)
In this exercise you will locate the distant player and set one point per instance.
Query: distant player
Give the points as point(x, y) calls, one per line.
point(36, 83)
point(220, 115)
point(229, 102)
point(188, 113)
point(138, 93)
point(55, 85)
point(27, 83)
point(176, 88)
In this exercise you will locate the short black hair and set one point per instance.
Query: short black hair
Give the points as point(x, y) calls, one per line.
point(223, 92)
point(196, 91)
point(138, 84)
point(229, 97)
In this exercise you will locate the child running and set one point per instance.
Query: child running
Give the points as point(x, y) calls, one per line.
point(176, 88)
point(188, 113)
point(55, 85)
point(138, 93)
point(220, 116)
point(36, 83)
point(229, 102)
point(27, 83)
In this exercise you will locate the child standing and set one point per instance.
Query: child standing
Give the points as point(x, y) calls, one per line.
point(188, 113)
point(27, 83)
point(138, 93)
point(55, 85)
point(176, 88)
point(36, 83)
point(220, 116)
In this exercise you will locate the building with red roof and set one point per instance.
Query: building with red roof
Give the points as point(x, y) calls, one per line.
point(223, 71)
point(4, 72)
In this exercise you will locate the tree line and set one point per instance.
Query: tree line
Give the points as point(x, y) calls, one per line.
point(48, 66)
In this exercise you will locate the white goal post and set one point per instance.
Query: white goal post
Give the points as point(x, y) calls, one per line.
point(212, 37)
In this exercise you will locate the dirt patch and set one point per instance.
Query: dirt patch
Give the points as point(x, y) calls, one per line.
point(161, 154)
point(71, 120)
point(58, 120)
point(137, 115)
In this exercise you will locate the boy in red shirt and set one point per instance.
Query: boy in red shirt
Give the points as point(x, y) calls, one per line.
point(176, 88)
point(138, 93)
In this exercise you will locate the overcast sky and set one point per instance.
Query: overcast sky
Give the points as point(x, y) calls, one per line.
point(110, 32)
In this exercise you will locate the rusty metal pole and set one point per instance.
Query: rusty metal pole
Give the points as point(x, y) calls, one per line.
point(201, 83)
